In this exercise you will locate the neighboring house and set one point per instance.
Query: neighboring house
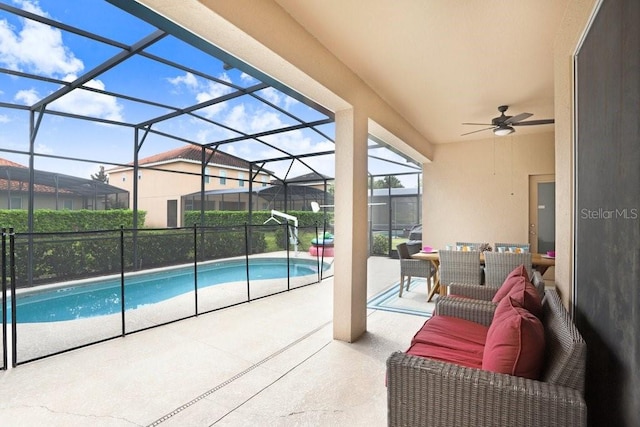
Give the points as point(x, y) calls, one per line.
point(56, 191)
point(299, 193)
point(165, 177)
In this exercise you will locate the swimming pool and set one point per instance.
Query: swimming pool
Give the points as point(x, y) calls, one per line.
point(102, 297)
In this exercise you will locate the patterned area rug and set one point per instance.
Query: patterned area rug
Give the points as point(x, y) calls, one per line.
point(413, 301)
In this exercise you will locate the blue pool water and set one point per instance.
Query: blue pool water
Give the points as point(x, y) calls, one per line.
point(103, 297)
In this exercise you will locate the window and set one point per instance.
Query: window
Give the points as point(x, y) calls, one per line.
point(67, 204)
point(264, 181)
point(240, 179)
point(223, 177)
point(206, 175)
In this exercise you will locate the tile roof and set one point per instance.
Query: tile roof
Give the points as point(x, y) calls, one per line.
point(21, 186)
point(5, 162)
point(15, 177)
point(192, 152)
point(310, 177)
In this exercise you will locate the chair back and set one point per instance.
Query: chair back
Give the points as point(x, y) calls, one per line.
point(413, 248)
point(460, 267)
point(524, 247)
point(403, 251)
point(497, 266)
point(472, 246)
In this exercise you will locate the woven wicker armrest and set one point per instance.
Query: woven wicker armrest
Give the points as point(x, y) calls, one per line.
point(472, 291)
point(465, 308)
point(416, 267)
point(423, 392)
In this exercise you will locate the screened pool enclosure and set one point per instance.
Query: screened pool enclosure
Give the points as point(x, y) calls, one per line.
point(124, 135)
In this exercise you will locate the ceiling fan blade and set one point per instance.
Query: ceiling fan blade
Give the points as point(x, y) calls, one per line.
point(475, 131)
point(516, 119)
point(534, 122)
point(478, 124)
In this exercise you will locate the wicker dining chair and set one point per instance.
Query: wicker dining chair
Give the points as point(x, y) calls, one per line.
point(410, 267)
point(526, 247)
point(497, 266)
point(460, 267)
point(472, 246)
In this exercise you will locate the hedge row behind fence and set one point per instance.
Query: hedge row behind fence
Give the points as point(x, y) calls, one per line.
point(52, 221)
point(307, 223)
point(68, 256)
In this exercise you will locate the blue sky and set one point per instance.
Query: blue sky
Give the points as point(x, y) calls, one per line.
point(35, 48)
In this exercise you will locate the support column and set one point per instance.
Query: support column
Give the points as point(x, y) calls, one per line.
point(350, 274)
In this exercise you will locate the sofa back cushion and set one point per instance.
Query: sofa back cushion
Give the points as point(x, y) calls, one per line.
point(515, 342)
point(519, 273)
point(526, 295)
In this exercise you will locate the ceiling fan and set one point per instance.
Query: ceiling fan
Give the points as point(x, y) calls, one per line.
point(503, 125)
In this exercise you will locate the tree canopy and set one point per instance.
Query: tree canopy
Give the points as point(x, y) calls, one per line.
point(388, 181)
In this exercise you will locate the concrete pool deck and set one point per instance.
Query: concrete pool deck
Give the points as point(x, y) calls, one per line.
point(268, 362)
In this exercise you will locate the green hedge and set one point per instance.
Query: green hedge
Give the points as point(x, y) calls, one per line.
point(380, 244)
point(81, 250)
point(228, 245)
point(48, 221)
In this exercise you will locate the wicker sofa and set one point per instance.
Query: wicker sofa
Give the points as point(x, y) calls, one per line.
point(428, 392)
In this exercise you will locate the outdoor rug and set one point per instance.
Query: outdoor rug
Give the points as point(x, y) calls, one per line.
point(412, 302)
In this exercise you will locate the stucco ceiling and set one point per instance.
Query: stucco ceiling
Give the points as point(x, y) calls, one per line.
point(440, 63)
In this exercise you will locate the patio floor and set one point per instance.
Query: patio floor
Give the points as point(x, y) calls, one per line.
point(269, 362)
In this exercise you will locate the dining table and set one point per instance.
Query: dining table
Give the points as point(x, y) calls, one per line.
point(541, 262)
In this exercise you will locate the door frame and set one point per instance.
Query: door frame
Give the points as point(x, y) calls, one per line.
point(534, 180)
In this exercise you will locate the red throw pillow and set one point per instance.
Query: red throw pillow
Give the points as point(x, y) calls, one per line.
point(526, 295)
point(515, 342)
point(512, 279)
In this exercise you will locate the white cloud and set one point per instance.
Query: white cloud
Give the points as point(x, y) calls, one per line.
point(203, 91)
point(237, 118)
point(36, 47)
point(189, 80)
point(271, 95)
point(39, 48)
point(90, 104)
point(247, 79)
point(27, 96)
point(263, 121)
point(212, 90)
point(80, 101)
point(43, 149)
point(278, 98)
point(290, 102)
point(4, 118)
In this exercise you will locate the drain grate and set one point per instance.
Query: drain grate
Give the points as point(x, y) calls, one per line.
point(235, 377)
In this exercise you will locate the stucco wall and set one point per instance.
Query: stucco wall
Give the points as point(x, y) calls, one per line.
point(156, 187)
point(479, 190)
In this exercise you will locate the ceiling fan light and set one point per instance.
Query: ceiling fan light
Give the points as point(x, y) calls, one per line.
point(503, 130)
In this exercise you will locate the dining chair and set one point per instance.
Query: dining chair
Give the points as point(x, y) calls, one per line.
point(472, 246)
point(460, 267)
point(497, 266)
point(410, 267)
point(523, 246)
